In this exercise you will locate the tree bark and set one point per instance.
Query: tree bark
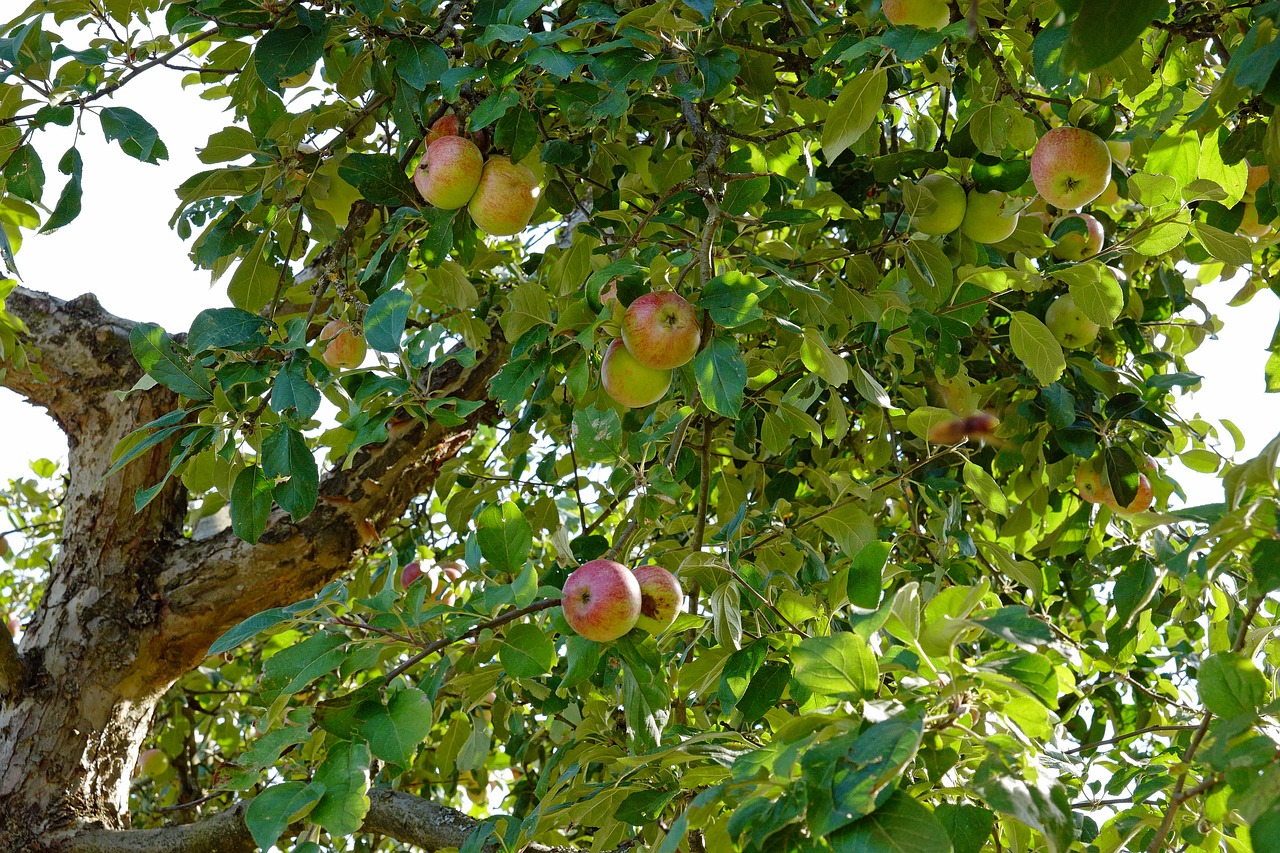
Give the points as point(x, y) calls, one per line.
point(131, 605)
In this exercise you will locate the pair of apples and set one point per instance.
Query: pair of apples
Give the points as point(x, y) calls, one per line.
point(500, 195)
point(660, 332)
point(604, 600)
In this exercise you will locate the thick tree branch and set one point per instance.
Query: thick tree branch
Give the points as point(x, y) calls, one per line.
point(11, 666)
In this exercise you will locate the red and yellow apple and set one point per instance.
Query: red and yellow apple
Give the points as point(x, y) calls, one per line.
point(505, 200)
point(447, 125)
point(601, 600)
point(925, 14)
point(661, 598)
point(1070, 167)
point(410, 573)
point(1250, 226)
point(988, 217)
point(629, 382)
point(661, 330)
point(949, 205)
point(450, 173)
point(1068, 323)
point(1091, 488)
point(344, 348)
point(979, 425)
point(1072, 244)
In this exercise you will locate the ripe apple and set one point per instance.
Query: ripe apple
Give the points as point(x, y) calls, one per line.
point(1141, 500)
point(629, 382)
point(410, 573)
point(925, 14)
point(1069, 324)
point(601, 600)
point(450, 172)
point(1073, 245)
point(949, 208)
point(446, 125)
point(661, 330)
point(1070, 167)
point(343, 346)
point(661, 598)
point(503, 203)
point(1249, 224)
point(988, 217)
point(152, 763)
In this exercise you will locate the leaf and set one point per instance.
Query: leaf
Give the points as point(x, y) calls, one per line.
point(527, 306)
point(294, 667)
point(733, 299)
point(765, 691)
point(985, 489)
point(1041, 805)
point(251, 627)
point(597, 434)
point(968, 827)
point(271, 812)
point(394, 730)
point(1096, 291)
point(1230, 684)
point(287, 52)
point(870, 389)
point(527, 652)
point(1103, 29)
point(135, 135)
point(385, 320)
point(1162, 237)
point(847, 779)
point(505, 537)
point(739, 669)
point(818, 357)
point(68, 206)
point(159, 357)
point(344, 773)
point(1228, 248)
point(294, 391)
point(419, 62)
point(285, 454)
point(839, 665)
point(379, 179)
point(1035, 345)
point(866, 574)
point(853, 112)
point(24, 174)
point(722, 376)
point(227, 328)
point(250, 503)
point(901, 825)
point(255, 280)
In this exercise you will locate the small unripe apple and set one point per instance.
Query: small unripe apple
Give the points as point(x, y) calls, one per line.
point(450, 172)
point(1069, 325)
point(661, 598)
point(445, 575)
point(1072, 245)
point(1110, 196)
point(447, 125)
point(925, 14)
point(1120, 149)
point(601, 600)
point(343, 346)
point(949, 208)
point(152, 763)
point(661, 330)
point(629, 382)
point(504, 201)
point(988, 217)
point(1070, 167)
point(1249, 224)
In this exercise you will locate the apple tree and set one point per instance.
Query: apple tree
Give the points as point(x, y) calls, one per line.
point(938, 592)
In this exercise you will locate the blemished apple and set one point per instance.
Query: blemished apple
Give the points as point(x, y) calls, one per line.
point(661, 330)
point(1249, 224)
point(344, 348)
point(629, 382)
point(1070, 244)
point(949, 205)
point(988, 217)
point(504, 201)
point(1070, 167)
point(661, 598)
point(601, 600)
point(152, 763)
point(1069, 325)
point(925, 14)
point(450, 173)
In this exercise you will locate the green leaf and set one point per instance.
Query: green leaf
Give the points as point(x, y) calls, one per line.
point(159, 357)
point(287, 52)
point(854, 112)
point(866, 575)
point(1041, 805)
point(739, 669)
point(230, 143)
point(1228, 248)
point(847, 779)
point(765, 691)
point(505, 537)
point(1265, 560)
point(597, 434)
point(527, 652)
point(1230, 684)
point(385, 320)
point(901, 825)
point(492, 108)
point(250, 503)
point(255, 280)
point(285, 454)
point(344, 773)
point(1162, 237)
point(293, 390)
point(379, 179)
point(134, 133)
point(1103, 29)
point(227, 328)
point(1035, 345)
point(24, 174)
point(251, 627)
point(395, 729)
point(419, 62)
point(721, 375)
point(271, 812)
point(733, 299)
point(68, 206)
point(1095, 290)
point(527, 306)
point(294, 667)
point(985, 489)
point(968, 827)
point(838, 665)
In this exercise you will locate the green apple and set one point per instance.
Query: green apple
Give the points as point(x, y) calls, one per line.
point(629, 382)
point(949, 205)
point(504, 202)
point(1076, 237)
point(152, 763)
point(1070, 167)
point(1069, 325)
point(925, 14)
point(989, 217)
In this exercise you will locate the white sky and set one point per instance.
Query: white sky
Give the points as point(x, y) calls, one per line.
point(121, 249)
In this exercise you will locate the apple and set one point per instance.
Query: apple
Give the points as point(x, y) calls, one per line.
point(410, 573)
point(661, 598)
point(661, 330)
point(629, 382)
point(979, 425)
point(1110, 196)
point(1258, 175)
point(601, 600)
point(1120, 149)
point(1069, 325)
point(343, 346)
point(1070, 167)
point(450, 172)
point(949, 208)
point(1141, 500)
point(1089, 483)
point(446, 125)
point(1073, 245)
point(925, 14)
point(152, 763)
point(988, 217)
point(1092, 489)
point(503, 203)
point(1249, 224)
point(446, 574)
point(4, 547)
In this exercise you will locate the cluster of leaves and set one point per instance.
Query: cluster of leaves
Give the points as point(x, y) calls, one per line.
point(892, 645)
